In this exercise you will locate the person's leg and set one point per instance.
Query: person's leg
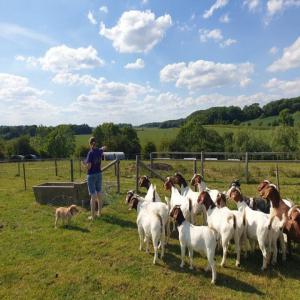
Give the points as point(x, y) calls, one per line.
point(93, 194)
point(99, 193)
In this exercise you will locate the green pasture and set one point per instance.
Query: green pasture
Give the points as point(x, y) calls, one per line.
point(100, 259)
point(158, 135)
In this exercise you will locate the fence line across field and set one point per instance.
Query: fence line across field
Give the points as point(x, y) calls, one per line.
point(225, 157)
point(23, 170)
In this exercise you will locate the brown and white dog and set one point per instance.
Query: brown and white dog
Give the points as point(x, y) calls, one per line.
point(65, 214)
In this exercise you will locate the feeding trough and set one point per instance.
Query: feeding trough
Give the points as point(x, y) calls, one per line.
point(62, 193)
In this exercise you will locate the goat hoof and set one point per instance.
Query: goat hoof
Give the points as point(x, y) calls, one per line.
point(222, 265)
point(237, 264)
point(181, 265)
point(213, 282)
point(191, 268)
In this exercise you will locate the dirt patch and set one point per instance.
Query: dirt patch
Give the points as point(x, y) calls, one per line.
point(161, 166)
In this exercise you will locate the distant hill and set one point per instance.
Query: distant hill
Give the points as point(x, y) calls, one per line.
point(165, 124)
point(235, 115)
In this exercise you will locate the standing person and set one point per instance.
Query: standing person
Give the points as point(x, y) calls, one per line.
point(94, 176)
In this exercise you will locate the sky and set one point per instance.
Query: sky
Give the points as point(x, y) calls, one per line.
point(139, 61)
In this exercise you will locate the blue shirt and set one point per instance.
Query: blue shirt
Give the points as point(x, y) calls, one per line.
point(94, 158)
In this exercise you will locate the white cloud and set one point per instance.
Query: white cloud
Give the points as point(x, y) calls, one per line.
point(138, 64)
point(228, 43)
point(214, 34)
point(22, 104)
point(206, 74)
point(252, 4)
point(91, 18)
point(276, 6)
point(14, 32)
point(137, 31)
point(29, 60)
point(104, 9)
point(225, 19)
point(273, 50)
point(217, 5)
point(65, 59)
point(289, 60)
point(286, 88)
point(144, 2)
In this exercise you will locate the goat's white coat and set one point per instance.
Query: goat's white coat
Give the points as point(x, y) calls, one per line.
point(202, 239)
point(150, 225)
point(222, 220)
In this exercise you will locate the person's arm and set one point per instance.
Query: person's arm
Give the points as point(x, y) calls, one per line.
point(87, 161)
point(103, 148)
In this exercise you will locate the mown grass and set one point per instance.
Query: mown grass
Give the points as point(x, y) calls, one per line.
point(100, 259)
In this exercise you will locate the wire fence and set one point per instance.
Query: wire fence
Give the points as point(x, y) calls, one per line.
point(219, 170)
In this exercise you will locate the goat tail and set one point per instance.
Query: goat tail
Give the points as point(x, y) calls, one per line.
point(190, 205)
point(244, 218)
point(291, 210)
point(161, 223)
point(215, 232)
point(162, 228)
point(234, 220)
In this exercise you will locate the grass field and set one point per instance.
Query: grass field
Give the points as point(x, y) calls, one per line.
point(157, 135)
point(100, 259)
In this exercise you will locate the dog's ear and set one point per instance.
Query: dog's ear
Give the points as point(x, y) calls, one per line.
point(74, 209)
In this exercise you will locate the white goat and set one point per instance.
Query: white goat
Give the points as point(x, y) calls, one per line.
point(152, 195)
point(259, 227)
point(157, 208)
point(218, 219)
point(199, 238)
point(150, 224)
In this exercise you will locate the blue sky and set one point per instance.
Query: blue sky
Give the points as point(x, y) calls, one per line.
point(138, 61)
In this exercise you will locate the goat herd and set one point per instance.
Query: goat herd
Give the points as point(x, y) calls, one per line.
point(263, 220)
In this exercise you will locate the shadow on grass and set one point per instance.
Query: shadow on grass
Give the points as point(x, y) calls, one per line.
point(223, 280)
point(117, 221)
point(76, 228)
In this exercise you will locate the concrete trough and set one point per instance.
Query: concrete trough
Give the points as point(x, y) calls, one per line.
point(62, 193)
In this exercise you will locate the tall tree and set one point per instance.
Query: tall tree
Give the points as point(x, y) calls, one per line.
point(61, 141)
point(194, 137)
point(285, 118)
point(285, 139)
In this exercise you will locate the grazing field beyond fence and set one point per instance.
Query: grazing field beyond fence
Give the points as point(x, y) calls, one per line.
point(100, 259)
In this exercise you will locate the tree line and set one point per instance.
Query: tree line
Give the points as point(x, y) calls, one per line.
point(11, 132)
point(234, 114)
point(59, 141)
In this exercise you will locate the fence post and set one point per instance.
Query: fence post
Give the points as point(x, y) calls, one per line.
point(137, 162)
point(55, 165)
point(79, 163)
point(277, 177)
point(195, 165)
point(151, 163)
point(24, 176)
point(118, 176)
point(202, 164)
point(115, 166)
point(246, 168)
point(72, 170)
